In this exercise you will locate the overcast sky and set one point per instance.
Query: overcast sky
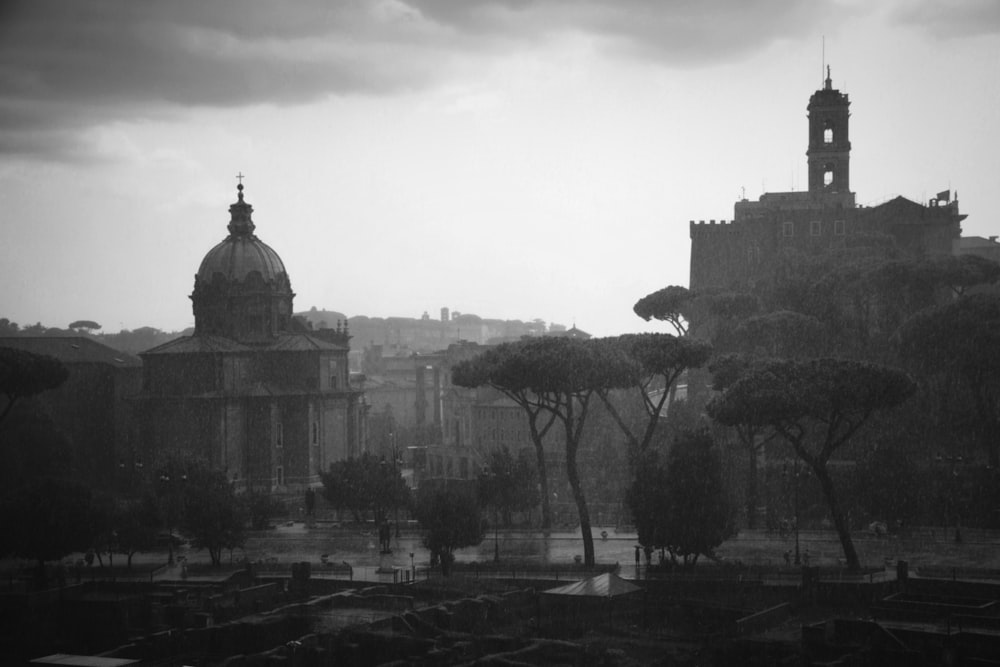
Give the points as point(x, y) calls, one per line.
point(508, 158)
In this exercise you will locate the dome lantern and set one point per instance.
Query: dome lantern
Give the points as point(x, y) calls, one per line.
point(240, 215)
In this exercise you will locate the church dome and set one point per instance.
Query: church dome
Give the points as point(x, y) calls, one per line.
point(241, 253)
point(242, 290)
point(237, 257)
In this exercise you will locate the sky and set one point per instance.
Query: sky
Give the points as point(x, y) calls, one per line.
point(515, 159)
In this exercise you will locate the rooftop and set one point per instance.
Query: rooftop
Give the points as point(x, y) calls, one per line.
point(71, 350)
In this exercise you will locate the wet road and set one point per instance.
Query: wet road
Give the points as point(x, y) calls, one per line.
point(297, 542)
point(359, 547)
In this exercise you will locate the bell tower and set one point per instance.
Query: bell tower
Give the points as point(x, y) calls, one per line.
point(829, 151)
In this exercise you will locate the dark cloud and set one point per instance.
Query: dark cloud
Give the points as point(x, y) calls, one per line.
point(951, 19)
point(678, 32)
point(68, 65)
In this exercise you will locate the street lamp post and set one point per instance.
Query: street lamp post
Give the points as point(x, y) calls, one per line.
point(492, 476)
point(397, 465)
point(496, 537)
point(798, 558)
point(795, 497)
point(129, 475)
point(489, 493)
point(165, 480)
point(170, 490)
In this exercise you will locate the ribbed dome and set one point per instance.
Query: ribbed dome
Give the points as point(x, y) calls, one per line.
point(237, 257)
point(241, 290)
point(241, 253)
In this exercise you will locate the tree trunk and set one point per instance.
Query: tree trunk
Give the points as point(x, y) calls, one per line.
point(839, 522)
point(752, 488)
point(543, 478)
point(543, 483)
point(581, 501)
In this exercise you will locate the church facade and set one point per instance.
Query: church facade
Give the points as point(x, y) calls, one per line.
point(252, 390)
point(737, 253)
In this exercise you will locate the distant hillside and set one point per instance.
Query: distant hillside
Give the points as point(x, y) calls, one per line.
point(132, 341)
point(425, 334)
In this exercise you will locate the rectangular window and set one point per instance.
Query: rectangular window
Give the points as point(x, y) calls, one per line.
point(788, 229)
point(815, 228)
point(279, 439)
point(838, 227)
point(279, 475)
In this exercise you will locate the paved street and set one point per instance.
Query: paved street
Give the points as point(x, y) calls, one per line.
point(357, 547)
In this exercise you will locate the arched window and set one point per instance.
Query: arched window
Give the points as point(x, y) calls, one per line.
point(828, 132)
point(827, 176)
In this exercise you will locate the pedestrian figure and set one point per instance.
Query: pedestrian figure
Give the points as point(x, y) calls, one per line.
point(384, 537)
point(788, 557)
point(637, 556)
point(649, 555)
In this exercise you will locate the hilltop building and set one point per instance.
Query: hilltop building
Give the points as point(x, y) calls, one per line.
point(253, 390)
point(727, 254)
point(396, 336)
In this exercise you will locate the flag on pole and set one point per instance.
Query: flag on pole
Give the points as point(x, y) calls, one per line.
point(944, 196)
